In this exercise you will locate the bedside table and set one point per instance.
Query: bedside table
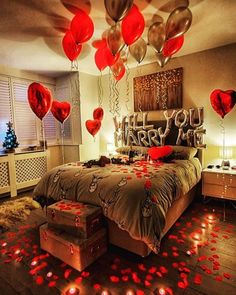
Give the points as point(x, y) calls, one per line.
point(219, 183)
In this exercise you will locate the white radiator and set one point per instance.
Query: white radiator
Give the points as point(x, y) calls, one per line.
point(19, 171)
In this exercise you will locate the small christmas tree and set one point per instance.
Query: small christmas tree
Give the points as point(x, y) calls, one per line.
point(10, 141)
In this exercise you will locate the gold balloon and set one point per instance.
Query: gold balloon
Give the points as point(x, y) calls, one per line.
point(156, 36)
point(138, 50)
point(178, 22)
point(117, 9)
point(115, 40)
point(162, 60)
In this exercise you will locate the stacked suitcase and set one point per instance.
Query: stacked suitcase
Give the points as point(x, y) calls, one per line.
point(74, 233)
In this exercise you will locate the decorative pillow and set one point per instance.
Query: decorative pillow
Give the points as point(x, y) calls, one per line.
point(159, 152)
point(183, 152)
point(138, 149)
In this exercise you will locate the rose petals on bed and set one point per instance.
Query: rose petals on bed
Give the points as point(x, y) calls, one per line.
point(114, 279)
point(198, 279)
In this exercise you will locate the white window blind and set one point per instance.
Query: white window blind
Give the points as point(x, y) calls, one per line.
point(50, 124)
point(5, 106)
point(25, 119)
point(63, 94)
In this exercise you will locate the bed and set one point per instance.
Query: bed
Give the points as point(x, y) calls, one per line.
point(141, 201)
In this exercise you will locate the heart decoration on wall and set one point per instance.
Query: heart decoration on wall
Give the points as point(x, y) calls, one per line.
point(40, 99)
point(223, 101)
point(93, 126)
point(61, 110)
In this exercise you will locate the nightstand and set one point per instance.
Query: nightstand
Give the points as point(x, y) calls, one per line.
point(219, 183)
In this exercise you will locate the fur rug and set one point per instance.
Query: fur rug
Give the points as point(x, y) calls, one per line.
point(12, 212)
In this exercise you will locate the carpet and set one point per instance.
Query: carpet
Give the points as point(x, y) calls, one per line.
point(13, 212)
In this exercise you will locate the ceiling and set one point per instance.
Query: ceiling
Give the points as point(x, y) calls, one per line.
point(31, 31)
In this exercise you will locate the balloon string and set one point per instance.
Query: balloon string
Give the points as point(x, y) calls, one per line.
point(223, 137)
point(100, 90)
point(74, 65)
point(110, 93)
point(75, 90)
point(43, 134)
point(127, 86)
point(116, 101)
point(62, 143)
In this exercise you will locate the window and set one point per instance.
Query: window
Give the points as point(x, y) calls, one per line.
point(14, 107)
point(25, 119)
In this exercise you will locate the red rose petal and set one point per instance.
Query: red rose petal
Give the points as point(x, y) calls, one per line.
point(226, 275)
point(39, 280)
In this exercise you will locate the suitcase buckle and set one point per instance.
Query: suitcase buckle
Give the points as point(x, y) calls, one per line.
point(71, 249)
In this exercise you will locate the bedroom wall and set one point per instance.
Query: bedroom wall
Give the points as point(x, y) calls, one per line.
point(203, 72)
point(89, 149)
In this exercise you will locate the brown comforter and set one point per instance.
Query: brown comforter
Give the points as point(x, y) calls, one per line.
point(136, 197)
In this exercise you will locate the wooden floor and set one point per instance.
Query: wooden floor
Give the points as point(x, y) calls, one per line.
point(209, 269)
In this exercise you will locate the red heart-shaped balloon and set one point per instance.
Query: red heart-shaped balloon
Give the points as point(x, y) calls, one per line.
point(223, 101)
point(157, 152)
point(61, 110)
point(93, 126)
point(40, 99)
point(98, 114)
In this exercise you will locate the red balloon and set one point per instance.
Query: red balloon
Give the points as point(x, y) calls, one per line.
point(93, 126)
point(71, 49)
point(82, 27)
point(223, 101)
point(99, 43)
point(100, 59)
point(157, 152)
point(98, 114)
point(103, 57)
point(40, 99)
point(118, 69)
point(132, 25)
point(172, 46)
point(61, 110)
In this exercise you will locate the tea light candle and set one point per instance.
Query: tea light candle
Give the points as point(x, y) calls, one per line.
point(196, 237)
point(210, 217)
point(17, 251)
point(72, 291)
point(4, 244)
point(162, 291)
point(130, 292)
point(188, 252)
point(34, 262)
point(203, 225)
point(105, 292)
point(49, 274)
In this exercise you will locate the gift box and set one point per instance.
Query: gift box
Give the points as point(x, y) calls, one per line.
point(79, 219)
point(76, 252)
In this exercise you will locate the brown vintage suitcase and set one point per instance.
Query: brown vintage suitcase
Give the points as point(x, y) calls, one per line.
point(76, 218)
point(78, 253)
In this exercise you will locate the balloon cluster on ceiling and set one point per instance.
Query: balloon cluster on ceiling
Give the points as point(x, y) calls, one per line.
point(127, 27)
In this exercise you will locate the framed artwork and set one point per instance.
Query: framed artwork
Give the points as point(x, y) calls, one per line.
point(159, 91)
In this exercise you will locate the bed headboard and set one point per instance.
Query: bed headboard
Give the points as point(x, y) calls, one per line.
point(180, 127)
